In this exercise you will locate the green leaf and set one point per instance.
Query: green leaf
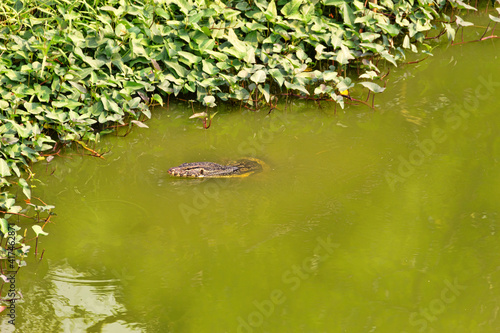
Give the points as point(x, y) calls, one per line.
point(196, 17)
point(298, 87)
point(94, 63)
point(18, 6)
point(271, 13)
point(238, 45)
point(330, 76)
point(134, 102)
point(4, 226)
point(277, 75)
point(463, 5)
point(347, 14)
point(188, 58)
point(494, 19)
point(406, 42)
point(185, 6)
point(162, 13)
point(121, 31)
point(209, 68)
point(42, 92)
point(209, 101)
point(259, 76)
point(372, 86)
point(385, 54)
point(291, 8)
point(78, 87)
point(344, 55)
point(33, 108)
point(15, 76)
point(207, 44)
point(132, 85)
point(230, 14)
point(157, 98)
point(110, 105)
point(369, 75)
point(336, 3)
point(463, 23)
point(25, 187)
point(4, 168)
point(345, 84)
point(39, 231)
point(391, 29)
point(450, 32)
point(200, 115)
point(369, 36)
point(179, 70)
point(70, 104)
point(265, 91)
point(139, 123)
point(308, 11)
point(212, 115)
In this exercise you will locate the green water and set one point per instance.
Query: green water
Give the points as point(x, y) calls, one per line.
point(367, 221)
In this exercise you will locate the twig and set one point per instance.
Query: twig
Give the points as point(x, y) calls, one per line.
point(439, 35)
point(477, 40)
point(84, 146)
point(12, 213)
point(415, 62)
point(485, 30)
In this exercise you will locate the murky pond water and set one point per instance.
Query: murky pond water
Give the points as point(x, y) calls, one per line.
point(367, 221)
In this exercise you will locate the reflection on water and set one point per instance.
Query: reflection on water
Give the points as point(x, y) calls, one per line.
point(92, 301)
point(68, 300)
point(367, 221)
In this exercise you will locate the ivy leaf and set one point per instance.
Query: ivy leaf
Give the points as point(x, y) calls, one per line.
point(345, 84)
point(277, 75)
point(4, 168)
point(25, 187)
point(209, 101)
point(209, 68)
point(391, 29)
point(388, 57)
point(212, 115)
point(336, 3)
point(157, 98)
point(39, 231)
point(344, 55)
point(68, 103)
point(461, 22)
point(463, 5)
point(78, 87)
point(200, 115)
point(179, 70)
point(291, 8)
point(406, 42)
point(369, 75)
point(265, 91)
point(139, 123)
point(450, 32)
point(188, 58)
point(372, 86)
point(259, 76)
point(298, 87)
point(238, 45)
point(4, 226)
point(347, 14)
point(495, 19)
point(271, 12)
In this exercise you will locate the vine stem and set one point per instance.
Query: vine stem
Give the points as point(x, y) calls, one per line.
point(12, 213)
